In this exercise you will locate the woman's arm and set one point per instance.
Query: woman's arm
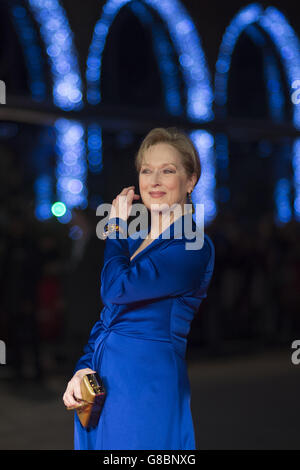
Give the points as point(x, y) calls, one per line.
point(83, 366)
point(86, 359)
point(169, 271)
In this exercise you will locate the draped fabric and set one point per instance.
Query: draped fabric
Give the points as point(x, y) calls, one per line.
point(138, 345)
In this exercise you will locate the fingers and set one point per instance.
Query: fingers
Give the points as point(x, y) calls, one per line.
point(122, 199)
point(121, 194)
point(135, 196)
point(77, 390)
point(71, 392)
point(72, 396)
point(78, 405)
point(121, 205)
point(129, 190)
point(126, 190)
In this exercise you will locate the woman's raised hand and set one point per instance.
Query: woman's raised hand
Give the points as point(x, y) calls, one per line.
point(122, 204)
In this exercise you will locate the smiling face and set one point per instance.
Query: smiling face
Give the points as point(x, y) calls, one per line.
point(162, 177)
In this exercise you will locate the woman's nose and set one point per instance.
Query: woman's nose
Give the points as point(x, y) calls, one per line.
point(155, 177)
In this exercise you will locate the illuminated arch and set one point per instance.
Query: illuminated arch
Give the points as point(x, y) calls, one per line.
point(187, 45)
point(32, 53)
point(67, 95)
point(163, 51)
point(195, 73)
point(170, 81)
point(34, 62)
point(58, 40)
point(287, 45)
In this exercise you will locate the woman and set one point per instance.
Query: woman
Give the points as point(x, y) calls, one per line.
point(151, 292)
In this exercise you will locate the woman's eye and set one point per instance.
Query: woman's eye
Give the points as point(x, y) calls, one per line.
point(167, 170)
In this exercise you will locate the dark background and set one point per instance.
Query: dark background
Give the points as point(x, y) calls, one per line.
point(244, 384)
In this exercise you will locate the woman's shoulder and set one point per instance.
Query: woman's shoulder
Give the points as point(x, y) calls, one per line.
point(211, 247)
point(197, 250)
point(209, 242)
point(198, 238)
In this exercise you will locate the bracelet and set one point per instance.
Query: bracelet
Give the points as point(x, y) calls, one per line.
point(110, 228)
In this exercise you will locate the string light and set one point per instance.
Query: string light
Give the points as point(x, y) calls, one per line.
point(204, 192)
point(67, 95)
point(71, 171)
point(163, 52)
point(187, 45)
point(285, 40)
point(33, 57)
point(58, 39)
point(191, 63)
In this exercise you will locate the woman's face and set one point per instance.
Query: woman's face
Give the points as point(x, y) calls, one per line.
point(162, 177)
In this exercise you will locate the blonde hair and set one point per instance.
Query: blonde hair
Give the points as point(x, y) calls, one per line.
point(180, 141)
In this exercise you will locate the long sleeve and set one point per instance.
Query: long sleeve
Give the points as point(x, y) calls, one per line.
point(88, 350)
point(170, 270)
point(86, 358)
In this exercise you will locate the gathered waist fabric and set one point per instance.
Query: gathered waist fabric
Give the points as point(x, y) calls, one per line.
point(117, 329)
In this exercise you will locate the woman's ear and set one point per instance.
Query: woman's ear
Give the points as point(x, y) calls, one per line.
point(193, 180)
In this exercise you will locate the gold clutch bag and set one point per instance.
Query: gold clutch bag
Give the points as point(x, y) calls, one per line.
point(93, 397)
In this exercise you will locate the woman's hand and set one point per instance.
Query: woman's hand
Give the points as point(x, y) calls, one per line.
point(122, 204)
point(72, 396)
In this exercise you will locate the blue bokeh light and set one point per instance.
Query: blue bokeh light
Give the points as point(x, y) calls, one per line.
point(67, 95)
point(187, 45)
point(58, 39)
point(71, 171)
point(272, 22)
point(192, 65)
point(32, 53)
point(204, 192)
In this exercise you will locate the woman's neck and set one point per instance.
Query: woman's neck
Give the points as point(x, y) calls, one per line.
point(160, 221)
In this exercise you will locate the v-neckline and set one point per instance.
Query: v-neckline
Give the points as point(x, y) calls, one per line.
point(157, 238)
point(135, 255)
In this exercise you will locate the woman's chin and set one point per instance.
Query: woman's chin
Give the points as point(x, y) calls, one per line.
point(159, 207)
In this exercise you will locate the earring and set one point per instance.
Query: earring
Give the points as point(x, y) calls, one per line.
point(191, 202)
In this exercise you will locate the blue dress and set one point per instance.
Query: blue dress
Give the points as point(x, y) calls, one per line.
point(139, 343)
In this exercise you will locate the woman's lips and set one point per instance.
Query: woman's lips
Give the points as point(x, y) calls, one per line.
point(157, 194)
